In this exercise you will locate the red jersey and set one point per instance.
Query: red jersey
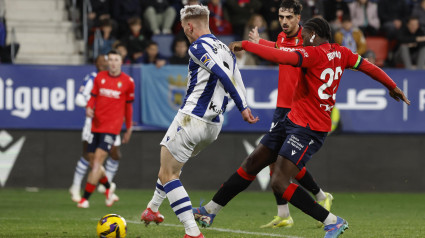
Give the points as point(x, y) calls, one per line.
point(314, 98)
point(288, 75)
point(322, 68)
point(111, 99)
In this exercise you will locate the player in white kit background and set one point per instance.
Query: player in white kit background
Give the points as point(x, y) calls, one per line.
point(214, 78)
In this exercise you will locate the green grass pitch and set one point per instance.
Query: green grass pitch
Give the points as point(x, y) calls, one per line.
point(51, 213)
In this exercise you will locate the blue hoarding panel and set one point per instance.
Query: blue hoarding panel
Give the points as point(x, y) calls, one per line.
point(42, 97)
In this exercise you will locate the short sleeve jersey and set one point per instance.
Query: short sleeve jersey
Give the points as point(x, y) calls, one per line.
point(111, 95)
point(322, 67)
point(288, 75)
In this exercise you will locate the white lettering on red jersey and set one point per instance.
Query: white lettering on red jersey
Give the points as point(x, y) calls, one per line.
point(322, 68)
point(109, 97)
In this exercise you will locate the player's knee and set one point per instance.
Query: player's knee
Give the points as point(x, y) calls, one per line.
point(165, 175)
point(279, 183)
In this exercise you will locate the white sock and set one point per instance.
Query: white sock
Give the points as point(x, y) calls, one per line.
point(320, 196)
point(158, 197)
point(212, 207)
point(111, 168)
point(283, 210)
point(330, 219)
point(181, 205)
point(80, 172)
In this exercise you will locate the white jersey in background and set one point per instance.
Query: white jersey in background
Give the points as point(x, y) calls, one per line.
point(83, 96)
point(213, 77)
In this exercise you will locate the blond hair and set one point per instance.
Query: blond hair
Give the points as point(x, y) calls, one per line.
point(194, 11)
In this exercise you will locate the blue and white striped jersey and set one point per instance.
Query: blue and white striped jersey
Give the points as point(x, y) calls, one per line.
point(83, 95)
point(213, 77)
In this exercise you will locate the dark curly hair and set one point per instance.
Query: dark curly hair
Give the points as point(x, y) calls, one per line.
point(292, 4)
point(320, 26)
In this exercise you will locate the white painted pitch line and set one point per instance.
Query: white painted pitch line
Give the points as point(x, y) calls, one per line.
point(228, 230)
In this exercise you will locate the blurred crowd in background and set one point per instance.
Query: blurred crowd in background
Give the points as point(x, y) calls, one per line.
point(390, 33)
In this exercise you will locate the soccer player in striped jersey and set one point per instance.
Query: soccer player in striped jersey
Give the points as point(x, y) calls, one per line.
point(112, 162)
point(303, 131)
point(213, 78)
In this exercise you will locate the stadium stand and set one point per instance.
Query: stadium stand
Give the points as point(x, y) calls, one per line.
point(45, 34)
point(164, 43)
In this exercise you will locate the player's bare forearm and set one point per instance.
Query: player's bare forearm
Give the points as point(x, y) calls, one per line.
point(248, 117)
point(398, 94)
point(89, 112)
point(127, 135)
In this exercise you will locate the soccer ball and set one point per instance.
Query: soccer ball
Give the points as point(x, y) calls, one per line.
point(112, 226)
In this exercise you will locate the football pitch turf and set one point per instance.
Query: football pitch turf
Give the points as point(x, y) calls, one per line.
point(51, 213)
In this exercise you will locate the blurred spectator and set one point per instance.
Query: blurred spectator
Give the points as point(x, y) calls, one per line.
point(122, 10)
point(244, 59)
point(152, 56)
point(105, 41)
point(122, 50)
point(364, 15)
point(258, 21)
point(311, 8)
point(100, 10)
point(135, 41)
point(392, 14)
point(159, 15)
point(2, 9)
point(178, 5)
point(239, 12)
point(412, 45)
point(269, 11)
point(419, 12)
point(334, 10)
point(6, 50)
point(180, 55)
point(350, 36)
point(370, 56)
point(219, 23)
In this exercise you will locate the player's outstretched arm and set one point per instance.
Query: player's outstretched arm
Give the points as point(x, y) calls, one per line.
point(248, 117)
point(265, 52)
point(236, 46)
point(397, 94)
point(379, 75)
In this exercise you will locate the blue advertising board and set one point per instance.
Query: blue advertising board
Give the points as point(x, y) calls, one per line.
point(42, 97)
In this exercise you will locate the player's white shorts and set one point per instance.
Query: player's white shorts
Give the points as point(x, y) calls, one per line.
point(88, 136)
point(188, 135)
